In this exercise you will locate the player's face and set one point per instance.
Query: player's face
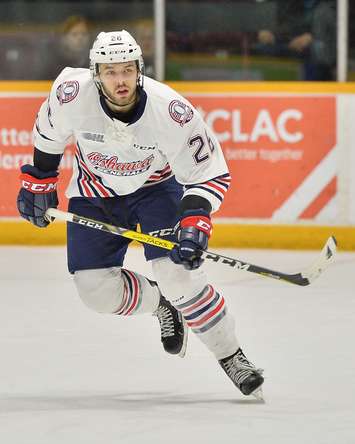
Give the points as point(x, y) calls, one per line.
point(119, 81)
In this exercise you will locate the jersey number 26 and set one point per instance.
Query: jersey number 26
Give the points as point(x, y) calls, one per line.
point(203, 150)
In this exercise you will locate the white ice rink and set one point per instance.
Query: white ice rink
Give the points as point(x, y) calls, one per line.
point(70, 376)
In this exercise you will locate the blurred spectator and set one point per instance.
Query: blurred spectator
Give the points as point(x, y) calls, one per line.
point(19, 56)
point(311, 36)
point(72, 49)
point(144, 34)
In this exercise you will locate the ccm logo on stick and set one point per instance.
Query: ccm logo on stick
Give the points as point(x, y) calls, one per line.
point(90, 224)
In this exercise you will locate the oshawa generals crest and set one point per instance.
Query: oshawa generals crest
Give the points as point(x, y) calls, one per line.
point(67, 91)
point(180, 112)
point(110, 164)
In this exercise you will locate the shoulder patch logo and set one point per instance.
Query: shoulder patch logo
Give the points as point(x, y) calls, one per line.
point(67, 91)
point(180, 112)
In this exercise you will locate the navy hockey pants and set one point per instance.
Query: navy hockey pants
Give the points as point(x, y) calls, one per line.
point(154, 207)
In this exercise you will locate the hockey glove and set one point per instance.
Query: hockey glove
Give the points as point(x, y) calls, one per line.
point(37, 194)
point(194, 230)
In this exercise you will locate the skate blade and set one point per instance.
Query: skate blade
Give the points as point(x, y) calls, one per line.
point(184, 345)
point(258, 394)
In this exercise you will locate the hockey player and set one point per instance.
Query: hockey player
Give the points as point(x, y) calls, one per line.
point(143, 156)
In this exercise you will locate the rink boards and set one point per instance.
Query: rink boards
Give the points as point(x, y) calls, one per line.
point(289, 148)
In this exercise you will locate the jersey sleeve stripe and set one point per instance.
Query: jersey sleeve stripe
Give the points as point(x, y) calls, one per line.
point(223, 182)
point(224, 177)
point(217, 186)
point(219, 196)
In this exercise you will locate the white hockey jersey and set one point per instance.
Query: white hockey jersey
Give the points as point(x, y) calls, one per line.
point(167, 137)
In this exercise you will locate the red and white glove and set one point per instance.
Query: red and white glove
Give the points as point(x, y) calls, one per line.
point(38, 193)
point(194, 230)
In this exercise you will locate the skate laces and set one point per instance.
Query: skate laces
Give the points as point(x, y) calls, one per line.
point(166, 321)
point(239, 368)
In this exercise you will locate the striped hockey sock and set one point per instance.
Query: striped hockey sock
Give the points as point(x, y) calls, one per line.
point(203, 311)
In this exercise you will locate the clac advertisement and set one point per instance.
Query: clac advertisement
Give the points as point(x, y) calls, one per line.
point(281, 152)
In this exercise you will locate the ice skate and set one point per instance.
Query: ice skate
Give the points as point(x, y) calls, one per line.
point(173, 328)
point(243, 374)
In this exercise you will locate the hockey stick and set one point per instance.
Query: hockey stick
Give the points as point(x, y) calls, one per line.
point(302, 278)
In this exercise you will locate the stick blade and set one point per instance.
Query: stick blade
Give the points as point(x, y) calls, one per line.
point(326, 256)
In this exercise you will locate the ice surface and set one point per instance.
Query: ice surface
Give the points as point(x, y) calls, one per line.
point(69, 375)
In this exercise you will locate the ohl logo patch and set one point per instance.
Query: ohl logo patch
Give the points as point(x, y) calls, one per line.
point(67, 91)
point(180, 112)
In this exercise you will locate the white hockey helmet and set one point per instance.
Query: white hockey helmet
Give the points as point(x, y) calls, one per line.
point(114, 47)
